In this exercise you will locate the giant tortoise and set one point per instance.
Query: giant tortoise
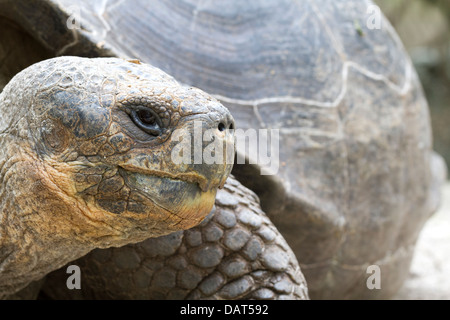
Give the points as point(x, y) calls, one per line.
point(349, 185)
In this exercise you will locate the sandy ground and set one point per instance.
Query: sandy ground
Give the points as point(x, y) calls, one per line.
point(430, 270)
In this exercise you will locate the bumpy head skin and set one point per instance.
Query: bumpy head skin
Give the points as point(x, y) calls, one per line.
point(88, 160)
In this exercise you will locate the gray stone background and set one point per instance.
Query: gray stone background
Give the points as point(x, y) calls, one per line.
point(424, 27)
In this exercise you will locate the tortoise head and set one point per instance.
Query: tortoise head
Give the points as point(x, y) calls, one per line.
point(127, 143)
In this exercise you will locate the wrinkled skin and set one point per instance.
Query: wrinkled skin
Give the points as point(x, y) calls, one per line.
point(86, 161)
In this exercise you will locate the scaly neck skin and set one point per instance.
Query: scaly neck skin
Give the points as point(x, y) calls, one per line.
point(41, 228)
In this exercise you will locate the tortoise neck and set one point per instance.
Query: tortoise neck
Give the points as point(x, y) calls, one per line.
point(41, 228)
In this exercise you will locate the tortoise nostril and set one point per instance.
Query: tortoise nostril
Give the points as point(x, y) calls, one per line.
point(221, 127)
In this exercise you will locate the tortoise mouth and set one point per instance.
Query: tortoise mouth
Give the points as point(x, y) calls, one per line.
point(189, 177)
point(181, 196)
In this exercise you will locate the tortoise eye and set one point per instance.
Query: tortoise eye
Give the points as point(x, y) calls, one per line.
point(146, 117)
point(147, 121)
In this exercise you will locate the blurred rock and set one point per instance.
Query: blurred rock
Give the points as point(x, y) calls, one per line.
point(430, 270)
